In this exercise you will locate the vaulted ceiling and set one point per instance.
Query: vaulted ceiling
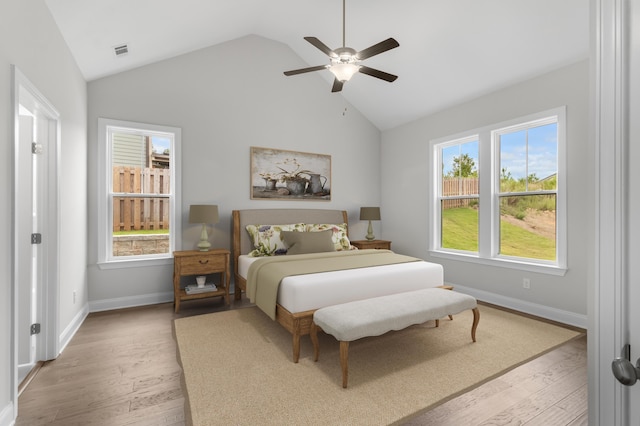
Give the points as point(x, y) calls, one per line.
point(450, 51)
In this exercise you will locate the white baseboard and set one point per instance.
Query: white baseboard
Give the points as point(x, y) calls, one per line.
point(564, 317)
point(130, 302)
point(24, 369)
point(7, 415)
point(72, 328)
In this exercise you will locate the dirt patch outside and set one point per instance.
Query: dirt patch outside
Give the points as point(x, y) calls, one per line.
point(539, 222)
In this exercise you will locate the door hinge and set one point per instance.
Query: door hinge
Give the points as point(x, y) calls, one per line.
point(35, 328)
point(36, 238)
point(36, 148)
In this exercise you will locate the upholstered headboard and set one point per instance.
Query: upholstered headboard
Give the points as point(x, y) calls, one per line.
point(241, 218)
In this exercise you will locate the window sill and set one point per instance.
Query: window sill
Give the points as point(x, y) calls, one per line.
point(502, 263)
point(136, 263)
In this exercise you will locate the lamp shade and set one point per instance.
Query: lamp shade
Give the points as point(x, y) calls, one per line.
point(369, 213)
point(203, 213)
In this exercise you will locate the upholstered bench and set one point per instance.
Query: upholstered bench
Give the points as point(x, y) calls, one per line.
point(378, 315)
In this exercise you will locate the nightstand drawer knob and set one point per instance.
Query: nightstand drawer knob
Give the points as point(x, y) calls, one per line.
point(203, 262)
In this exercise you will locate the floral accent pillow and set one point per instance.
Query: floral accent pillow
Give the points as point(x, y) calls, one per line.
point(267, 239)
point(339, 238)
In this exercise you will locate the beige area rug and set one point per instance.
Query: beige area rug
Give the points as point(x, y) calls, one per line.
point(238, 371)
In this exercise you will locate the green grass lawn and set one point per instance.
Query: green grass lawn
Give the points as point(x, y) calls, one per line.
point(460, 229)
point(460, 232)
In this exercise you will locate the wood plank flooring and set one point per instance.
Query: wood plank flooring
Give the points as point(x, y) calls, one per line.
point(121, 369)
point(550, 390)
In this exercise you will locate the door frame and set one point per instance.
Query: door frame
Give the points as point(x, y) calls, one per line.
point(48, 346)
point(608, 327)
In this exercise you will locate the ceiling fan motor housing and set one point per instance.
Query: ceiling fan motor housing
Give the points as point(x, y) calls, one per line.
point(345, 55)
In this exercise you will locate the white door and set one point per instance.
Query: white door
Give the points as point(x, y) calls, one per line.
point(632, 281)
point(35, 202)
point(34, 134)
point(615, 301)
point(26, 286)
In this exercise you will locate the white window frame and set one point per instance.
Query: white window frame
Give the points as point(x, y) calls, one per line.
point(106, 260)
point(489, 207)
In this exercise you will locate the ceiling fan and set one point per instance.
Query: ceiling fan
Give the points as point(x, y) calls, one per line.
point(345, 61)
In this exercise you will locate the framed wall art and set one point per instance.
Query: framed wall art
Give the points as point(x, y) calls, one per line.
point(289, 175)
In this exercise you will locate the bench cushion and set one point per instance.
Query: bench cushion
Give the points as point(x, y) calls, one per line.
point(378, 315)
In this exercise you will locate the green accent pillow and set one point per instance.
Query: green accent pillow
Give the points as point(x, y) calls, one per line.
point(267, 239)
point(308, 242)
point(339, 237)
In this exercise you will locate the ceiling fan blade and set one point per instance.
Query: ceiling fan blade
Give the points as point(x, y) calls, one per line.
point(376, 49)
point(303, 70)
point(323, 47)
point(337, 85)
point(378, 74)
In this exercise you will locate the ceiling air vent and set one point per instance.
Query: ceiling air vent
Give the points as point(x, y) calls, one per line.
point(121, 50)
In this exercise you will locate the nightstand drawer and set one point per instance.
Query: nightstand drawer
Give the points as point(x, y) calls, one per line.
point(372, 244)
point(202, 265)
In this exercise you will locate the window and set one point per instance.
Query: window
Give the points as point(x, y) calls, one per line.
point(459, 195)
point(138, 199)
point(498, 194)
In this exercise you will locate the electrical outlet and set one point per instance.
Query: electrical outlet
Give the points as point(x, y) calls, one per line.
point(74, 297)
point(526, 283)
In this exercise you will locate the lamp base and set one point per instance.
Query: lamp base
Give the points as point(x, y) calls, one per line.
point(370, 235)
point(204, 244)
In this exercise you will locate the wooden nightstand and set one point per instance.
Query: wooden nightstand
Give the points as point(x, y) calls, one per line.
point(372, 244)
point(194, 262)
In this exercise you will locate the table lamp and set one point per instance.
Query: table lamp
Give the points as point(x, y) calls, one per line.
point(203, 214)
point(370, 213)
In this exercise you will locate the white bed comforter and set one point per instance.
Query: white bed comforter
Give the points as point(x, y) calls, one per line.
point(313, 291)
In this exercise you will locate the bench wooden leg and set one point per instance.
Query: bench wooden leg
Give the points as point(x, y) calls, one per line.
point(296, 347)
point(344, 362)
point(314, 340)
point(476, 320)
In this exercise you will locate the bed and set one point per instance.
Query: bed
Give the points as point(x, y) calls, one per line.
point(299, 296)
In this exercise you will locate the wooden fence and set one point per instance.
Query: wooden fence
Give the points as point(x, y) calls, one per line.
point(135, 213)
point(452, 187)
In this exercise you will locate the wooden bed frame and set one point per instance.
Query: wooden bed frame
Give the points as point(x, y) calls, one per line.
point(297, 323)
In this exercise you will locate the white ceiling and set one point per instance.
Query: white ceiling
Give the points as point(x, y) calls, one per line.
point(450, 51)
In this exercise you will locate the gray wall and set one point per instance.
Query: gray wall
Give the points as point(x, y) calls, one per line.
point(223, 110)
point(225, 99)
point(30, 39)
point(405, 181)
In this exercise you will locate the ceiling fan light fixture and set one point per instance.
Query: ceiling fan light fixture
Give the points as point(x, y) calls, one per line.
point(345, 61)
point(343, 72)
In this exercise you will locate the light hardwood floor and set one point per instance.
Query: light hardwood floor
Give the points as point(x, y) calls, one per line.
point(120, 369)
